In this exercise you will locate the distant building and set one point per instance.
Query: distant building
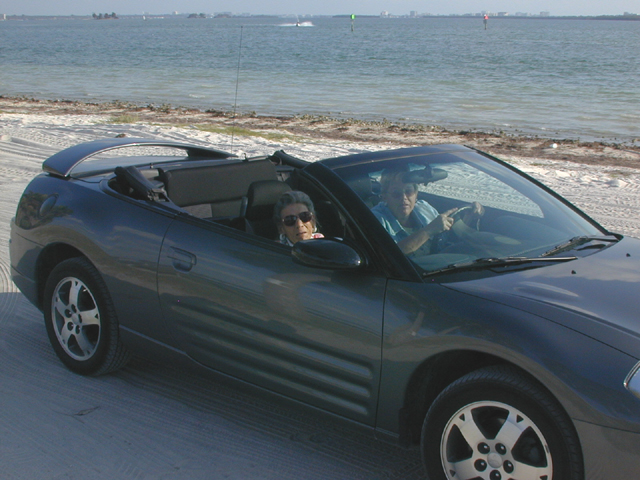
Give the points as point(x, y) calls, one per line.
point(106, 16)
point(503, 14)
point(384, 14)
point(545, 14)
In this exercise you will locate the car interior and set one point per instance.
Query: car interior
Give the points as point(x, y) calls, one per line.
point(240, 195)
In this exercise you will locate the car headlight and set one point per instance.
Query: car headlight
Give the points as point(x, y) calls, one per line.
point(632, 382)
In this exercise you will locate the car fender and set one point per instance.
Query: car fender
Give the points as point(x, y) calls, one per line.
point(433, 335)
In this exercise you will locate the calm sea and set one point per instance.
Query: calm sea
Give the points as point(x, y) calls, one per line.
point(554, 78)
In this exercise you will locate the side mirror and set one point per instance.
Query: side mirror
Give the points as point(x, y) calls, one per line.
point(325, 253)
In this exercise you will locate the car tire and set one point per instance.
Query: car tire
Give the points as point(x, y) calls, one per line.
point(81, 320)
point(496, 424)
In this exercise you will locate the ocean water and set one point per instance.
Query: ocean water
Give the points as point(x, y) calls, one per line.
point(554, 78)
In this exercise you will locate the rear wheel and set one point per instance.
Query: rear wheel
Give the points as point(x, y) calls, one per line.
point(495, 424)
point(81, 320)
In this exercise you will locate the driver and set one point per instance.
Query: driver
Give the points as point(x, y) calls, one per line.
point(412, 223)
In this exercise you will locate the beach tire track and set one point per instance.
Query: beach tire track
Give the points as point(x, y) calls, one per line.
point(8, 294)
point(255, 431)
point(15, 313)
point(27, 151)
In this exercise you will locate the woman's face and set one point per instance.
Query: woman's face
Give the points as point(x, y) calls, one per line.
point(401, 198)
point(299, 230)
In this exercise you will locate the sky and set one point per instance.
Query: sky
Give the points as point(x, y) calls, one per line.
point(315, 7)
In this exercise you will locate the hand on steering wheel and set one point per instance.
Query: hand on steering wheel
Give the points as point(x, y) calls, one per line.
point(467, 213)
point(454, 220)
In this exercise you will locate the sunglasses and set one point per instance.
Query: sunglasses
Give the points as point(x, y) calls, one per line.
point(408, 191)
point(290, 220)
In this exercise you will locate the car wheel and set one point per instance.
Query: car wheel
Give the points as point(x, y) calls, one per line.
point(495, 424)
point(81, 320)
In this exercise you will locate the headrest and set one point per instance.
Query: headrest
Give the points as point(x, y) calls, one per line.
point(214, 183)
point(262, 197)
point(362, 186)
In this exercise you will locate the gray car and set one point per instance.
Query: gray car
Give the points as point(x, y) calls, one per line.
point(507, 348)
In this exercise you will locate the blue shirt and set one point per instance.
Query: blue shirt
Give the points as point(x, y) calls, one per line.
point(422, 215)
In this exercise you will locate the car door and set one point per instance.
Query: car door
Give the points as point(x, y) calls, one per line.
point(240, 305)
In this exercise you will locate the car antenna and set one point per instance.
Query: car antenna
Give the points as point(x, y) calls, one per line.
point(235, 101)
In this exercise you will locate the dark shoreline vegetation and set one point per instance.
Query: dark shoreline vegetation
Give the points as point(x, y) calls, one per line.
point(626, 16)
point(318, 128)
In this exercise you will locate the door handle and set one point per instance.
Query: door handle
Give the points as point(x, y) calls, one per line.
point(181, 259)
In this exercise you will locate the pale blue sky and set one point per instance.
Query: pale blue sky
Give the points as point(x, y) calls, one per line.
point(325, 7)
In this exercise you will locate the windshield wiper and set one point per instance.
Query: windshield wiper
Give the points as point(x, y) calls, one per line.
point(491, 262)
point(576, 242)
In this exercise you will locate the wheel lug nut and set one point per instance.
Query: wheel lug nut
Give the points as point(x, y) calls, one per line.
point(70, 326)
point(508, 467)
point(501, 449)
point(480, 465)
point(484, 448)
point(495, 475)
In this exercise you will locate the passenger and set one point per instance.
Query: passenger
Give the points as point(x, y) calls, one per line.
point(295, 218)
point(411, 222)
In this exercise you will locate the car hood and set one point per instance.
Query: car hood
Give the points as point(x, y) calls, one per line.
point(596, 295)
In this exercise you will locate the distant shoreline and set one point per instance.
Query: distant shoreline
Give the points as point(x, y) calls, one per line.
point(628, 17)
point(314, 128)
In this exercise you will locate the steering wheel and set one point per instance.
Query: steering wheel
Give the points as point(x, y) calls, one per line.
point(473, 236)
point(458, 214)
point(459, 231)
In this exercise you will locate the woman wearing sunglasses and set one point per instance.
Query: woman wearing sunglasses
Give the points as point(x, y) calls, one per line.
point(411, 222)
point(296, 218)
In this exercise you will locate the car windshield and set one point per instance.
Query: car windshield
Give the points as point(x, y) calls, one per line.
point(487, 211)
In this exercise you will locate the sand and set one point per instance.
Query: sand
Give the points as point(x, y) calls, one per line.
point(149, 421)
point(603, 179)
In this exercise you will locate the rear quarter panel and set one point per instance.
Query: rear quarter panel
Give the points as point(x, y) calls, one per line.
point(121, 237)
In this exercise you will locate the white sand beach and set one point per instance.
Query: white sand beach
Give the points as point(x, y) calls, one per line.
point(603, 180)
point(149, 421)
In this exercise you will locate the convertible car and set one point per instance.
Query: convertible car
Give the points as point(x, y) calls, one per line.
point(508, 350)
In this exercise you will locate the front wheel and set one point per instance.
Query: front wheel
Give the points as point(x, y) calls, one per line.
point(495, 424)
point(80, 319)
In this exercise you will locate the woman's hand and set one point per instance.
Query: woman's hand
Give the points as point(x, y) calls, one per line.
point(473, 213)
point(441, 223)
point(477, 209)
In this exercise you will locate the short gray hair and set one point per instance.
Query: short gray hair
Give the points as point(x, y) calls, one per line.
point(290, 198)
